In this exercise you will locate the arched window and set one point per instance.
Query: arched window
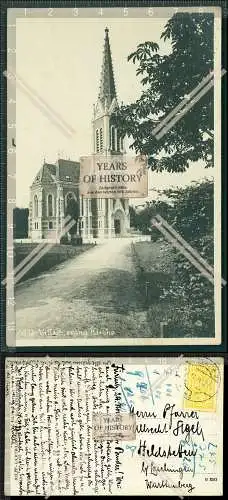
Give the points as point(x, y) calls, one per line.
point(81, 201)
point(112, 138)
point(97, 141)
point(50, 205)
point(101, 139)
point(35, 206)
point(100, 203)
point(123, 202)
point(69, 197)
point(118, 141)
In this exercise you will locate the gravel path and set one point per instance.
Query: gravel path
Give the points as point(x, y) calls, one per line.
point(94, 294)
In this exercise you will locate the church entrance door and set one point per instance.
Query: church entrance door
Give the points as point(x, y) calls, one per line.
point(117, 226)
point(119, 223)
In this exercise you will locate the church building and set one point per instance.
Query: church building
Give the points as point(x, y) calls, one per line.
point(55, 184)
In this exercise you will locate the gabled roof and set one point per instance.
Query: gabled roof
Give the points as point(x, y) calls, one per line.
point(48, 173)
point(63, 170)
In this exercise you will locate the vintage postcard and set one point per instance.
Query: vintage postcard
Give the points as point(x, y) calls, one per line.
point(114, 176)
point(114, 426)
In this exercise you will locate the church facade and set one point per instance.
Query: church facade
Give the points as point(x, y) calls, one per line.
point(56, 183)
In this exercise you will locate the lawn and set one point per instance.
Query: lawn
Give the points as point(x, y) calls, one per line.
point(155, 264)
point(55, 255)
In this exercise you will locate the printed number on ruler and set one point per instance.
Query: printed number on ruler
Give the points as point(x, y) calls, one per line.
point(51, 12)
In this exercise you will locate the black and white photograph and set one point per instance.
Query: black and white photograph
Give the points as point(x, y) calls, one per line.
point(136, 95)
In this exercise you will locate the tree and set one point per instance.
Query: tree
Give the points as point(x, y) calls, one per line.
point(20, 222)
point(143, 217)
point(133, 216)
point(190, 212)
point(166, 80)
point(192, 216)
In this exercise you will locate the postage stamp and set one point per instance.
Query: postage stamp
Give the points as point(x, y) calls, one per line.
point(114, 426)
point(202, 381)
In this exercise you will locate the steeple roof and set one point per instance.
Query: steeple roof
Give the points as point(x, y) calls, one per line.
point(107, 84)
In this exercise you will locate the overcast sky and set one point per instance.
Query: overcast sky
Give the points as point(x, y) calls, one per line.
point(60, 59)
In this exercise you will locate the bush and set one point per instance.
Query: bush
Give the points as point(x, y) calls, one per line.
point(64, 240)
point(190, 212)
point(194, 221)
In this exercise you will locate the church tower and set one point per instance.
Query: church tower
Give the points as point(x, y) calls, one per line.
point(110, 216)
point(106, 138)
point(55, 184)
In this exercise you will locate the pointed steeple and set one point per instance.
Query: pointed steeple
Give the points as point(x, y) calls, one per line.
point(107, 89)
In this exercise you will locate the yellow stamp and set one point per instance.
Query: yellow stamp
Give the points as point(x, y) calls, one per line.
point(201, 385)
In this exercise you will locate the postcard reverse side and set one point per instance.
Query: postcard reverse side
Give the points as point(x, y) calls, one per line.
point(114, 426)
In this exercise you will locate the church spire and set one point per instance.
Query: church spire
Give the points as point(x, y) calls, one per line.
point(107, 89)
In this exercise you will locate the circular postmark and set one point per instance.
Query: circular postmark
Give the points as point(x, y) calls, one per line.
point(202, 380)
